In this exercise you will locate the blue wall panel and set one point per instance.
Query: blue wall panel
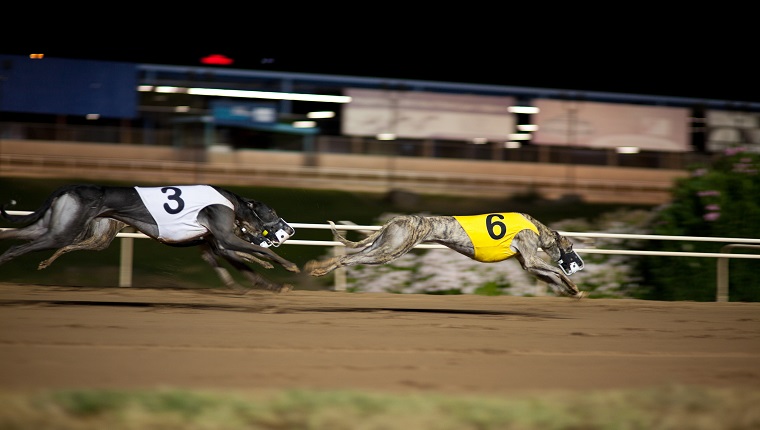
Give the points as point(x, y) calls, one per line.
point(68, 87)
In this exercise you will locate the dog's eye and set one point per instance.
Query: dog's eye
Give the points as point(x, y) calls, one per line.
point(243, 230)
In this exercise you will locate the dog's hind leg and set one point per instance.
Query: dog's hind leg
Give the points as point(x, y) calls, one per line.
point(60, 225)
point(98, 236)
point(35, 233)
point(209, 257)
point(351, 244)
point(397, 237)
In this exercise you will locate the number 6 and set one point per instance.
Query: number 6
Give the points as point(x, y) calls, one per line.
point(491, 226)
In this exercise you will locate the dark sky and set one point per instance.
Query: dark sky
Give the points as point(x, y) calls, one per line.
point(691, 58)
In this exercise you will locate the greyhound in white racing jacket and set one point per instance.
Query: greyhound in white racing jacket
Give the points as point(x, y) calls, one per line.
point(221, 223)
point(486, 238)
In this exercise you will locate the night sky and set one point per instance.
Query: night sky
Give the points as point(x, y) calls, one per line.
point(706, 57)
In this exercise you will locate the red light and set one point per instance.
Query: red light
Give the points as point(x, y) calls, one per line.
point(217, 60)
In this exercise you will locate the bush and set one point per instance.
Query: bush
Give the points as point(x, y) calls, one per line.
point(717, 200)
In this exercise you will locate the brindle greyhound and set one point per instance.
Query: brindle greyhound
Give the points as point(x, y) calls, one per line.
point(221, 223)
point(486, 238)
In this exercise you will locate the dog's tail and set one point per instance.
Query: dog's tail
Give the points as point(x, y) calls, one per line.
point(351, 244)
point(28, 218)
point(3, 207)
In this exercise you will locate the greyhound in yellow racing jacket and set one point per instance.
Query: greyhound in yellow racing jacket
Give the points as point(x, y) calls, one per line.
point(486, 238)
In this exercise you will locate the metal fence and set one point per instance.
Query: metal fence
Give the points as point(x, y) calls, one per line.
point(126, 258)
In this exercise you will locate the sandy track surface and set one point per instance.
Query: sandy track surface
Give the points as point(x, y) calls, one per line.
point(57, 337)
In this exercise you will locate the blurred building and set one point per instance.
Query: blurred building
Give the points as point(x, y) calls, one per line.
point(214, 124)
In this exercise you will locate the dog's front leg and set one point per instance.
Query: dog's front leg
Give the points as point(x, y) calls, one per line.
point(220, 222)
point(234, 244)
point(251, 259)
point(558, 281)
point(254, 278)
point(248, 248)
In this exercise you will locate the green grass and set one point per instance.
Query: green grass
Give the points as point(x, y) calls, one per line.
point(158, 265)
point(657, 408)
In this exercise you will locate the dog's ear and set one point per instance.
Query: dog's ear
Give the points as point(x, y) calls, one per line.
point(562, 242)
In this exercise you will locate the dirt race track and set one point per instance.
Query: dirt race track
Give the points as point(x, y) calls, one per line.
point(56, 337)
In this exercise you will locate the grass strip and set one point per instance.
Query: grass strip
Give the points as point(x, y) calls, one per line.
point(675, 407)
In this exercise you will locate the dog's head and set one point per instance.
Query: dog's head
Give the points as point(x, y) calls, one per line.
point(272, 227)
point(560, 249)
point(569, 261)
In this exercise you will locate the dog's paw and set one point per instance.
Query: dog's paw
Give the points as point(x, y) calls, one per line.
point(239, 289)
point(279, 288)
point(313, 269)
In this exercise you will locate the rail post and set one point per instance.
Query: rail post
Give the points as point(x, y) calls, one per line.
point(722, 271)
point(341, 272)
point(126, 259)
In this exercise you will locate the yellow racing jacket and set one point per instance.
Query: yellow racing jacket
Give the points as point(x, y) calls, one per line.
point(492, 234)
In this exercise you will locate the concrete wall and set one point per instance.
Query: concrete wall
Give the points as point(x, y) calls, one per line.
point(152, 164)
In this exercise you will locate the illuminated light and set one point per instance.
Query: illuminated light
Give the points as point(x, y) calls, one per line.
point(519, 136)
point(36, 56)
point(320, 115)
point(217, 60)
point(268, 95)
point(92, 116)
point(527, 127)
point(165, 89)
point(304, 124)
point(628, 149)
point(523, 109)
point(512, 145)
point(214, 92)
point(480, 140)
point(386, 136)
point(182, 109)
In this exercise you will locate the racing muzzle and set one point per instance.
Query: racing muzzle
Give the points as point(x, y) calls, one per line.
point(569, 261)
point(256, 238)
point(278, 232)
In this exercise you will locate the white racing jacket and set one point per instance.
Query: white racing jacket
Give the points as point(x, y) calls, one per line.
point(175, 209)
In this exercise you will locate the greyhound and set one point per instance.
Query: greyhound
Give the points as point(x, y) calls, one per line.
point(221, 223)
point(486, 238)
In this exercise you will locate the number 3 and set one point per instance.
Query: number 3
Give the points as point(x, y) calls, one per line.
point(176, 198)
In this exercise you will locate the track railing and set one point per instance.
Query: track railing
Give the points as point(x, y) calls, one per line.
point(125, 270)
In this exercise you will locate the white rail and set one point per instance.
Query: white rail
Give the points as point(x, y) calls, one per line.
point(722, 283)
